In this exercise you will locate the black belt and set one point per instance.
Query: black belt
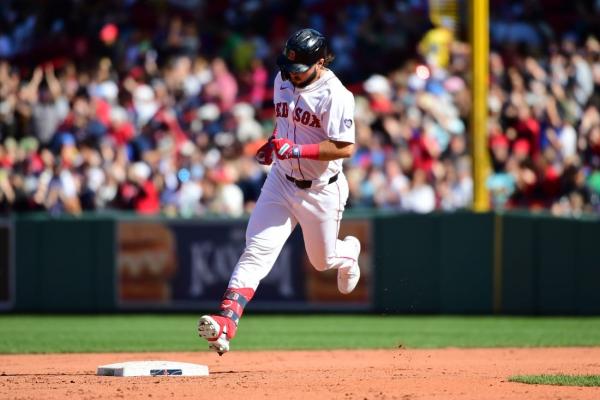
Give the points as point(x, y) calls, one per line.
point(306, 184)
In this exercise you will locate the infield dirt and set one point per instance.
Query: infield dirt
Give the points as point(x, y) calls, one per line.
point(337, 374)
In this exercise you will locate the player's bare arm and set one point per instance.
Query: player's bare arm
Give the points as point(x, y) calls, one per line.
point(330, 150)
point(327, 150)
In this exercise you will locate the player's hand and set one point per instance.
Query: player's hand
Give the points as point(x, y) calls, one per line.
point(285, 148)
point(264, 155)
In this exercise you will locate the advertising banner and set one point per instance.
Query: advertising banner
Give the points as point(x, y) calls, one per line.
point(187, 265)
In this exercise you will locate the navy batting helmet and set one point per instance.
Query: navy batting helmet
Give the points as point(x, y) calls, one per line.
point(303, 49)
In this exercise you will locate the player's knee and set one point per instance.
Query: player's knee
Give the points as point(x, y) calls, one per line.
point(322, 263)
point(259, 247)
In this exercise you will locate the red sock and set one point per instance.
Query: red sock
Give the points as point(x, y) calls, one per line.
point(232, 308)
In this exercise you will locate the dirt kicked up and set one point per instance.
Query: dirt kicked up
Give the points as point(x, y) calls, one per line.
point(338, 374)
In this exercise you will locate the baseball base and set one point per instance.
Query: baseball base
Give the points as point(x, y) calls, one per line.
point(152, 368)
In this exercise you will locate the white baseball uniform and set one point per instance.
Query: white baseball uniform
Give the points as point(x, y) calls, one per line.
point(320, 111)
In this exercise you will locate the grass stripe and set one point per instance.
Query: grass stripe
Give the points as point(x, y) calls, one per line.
point(559, 380)
point(148, 332)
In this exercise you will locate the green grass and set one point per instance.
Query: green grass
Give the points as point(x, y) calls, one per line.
point(560, 380)
point(120, 333)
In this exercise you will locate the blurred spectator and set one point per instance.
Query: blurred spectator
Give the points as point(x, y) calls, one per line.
point(158, 107)
point(420, 197)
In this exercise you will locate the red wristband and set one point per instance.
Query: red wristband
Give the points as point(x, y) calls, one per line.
point(309, 151)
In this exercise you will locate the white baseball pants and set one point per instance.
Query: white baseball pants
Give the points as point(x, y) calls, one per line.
point(280, 206)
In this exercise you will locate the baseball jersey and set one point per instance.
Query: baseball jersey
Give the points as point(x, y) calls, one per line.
point(320, 111)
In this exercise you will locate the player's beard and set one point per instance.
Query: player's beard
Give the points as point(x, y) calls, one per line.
point(307, 81)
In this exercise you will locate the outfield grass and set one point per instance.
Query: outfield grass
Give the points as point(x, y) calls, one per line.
point(559, 380)
point(120, 333)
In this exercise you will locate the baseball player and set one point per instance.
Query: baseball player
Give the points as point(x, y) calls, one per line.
point(314, 132)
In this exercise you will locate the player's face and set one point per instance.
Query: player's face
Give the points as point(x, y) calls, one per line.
point(303, 79)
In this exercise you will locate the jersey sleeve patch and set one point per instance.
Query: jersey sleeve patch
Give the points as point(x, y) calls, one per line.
point(338, 118)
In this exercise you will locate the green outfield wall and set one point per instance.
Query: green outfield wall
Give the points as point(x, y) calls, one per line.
point(64, 264)
point(459, 263)
point(505, 263)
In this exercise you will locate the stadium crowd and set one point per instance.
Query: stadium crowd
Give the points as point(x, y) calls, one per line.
point(159, 107)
